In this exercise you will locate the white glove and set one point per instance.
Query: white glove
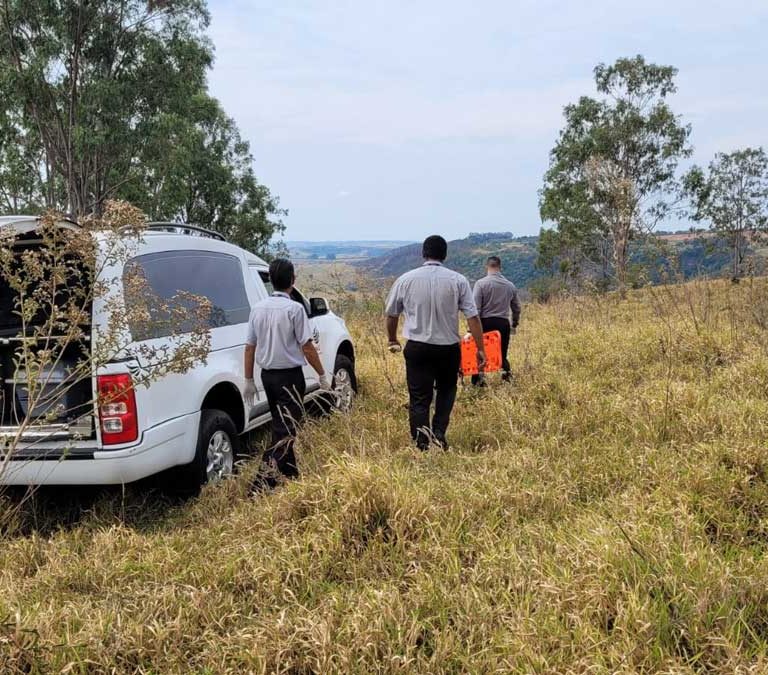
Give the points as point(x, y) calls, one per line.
point(513, 330)
point(395, 348)
point(250, 393)
point(325, 382)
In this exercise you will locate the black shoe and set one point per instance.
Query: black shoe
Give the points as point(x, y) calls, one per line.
point(268, 477)
point(442, 443)
point(506, 377)
point(263, 485)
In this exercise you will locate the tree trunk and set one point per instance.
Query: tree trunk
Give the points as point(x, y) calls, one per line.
point(737, 239)
point(620, 251)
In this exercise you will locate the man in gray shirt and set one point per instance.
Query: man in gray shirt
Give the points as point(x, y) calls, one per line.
point(431, 297)
point(280, 341)
point(495, 296)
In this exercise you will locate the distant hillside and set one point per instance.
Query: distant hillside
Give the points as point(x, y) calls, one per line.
point(468, 257)
point(692, 256)
point(341, 250)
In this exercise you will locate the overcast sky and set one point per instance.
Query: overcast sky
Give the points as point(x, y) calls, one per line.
point(396, 119)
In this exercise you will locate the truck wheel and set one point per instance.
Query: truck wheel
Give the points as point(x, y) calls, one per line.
point(344, 383)
point(215, 454)
point(344, 388)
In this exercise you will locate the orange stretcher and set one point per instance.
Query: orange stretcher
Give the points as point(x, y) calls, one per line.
point(492, 343)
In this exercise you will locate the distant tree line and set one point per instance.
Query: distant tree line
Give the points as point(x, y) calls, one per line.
point(108, 99)
point(613, 178)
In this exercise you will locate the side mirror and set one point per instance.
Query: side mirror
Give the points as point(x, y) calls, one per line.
point(318, 307)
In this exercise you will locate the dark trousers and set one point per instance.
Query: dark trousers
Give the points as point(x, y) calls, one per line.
point(285, 389)
point(491, 324)
point(432, 372)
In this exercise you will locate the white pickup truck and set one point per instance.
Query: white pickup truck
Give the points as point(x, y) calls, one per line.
point(189, 421)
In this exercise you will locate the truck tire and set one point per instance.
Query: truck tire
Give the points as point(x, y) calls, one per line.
point(344, 382)
point(217, 449)
point(344, 386)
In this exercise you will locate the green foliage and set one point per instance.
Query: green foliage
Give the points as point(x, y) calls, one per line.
point(732, 195)
point(91, 77)
point(546, 289)
point(198, 169)
point(108, 99)
point(612, 171)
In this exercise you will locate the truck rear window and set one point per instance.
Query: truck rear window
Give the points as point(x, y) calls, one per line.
point(217, 277)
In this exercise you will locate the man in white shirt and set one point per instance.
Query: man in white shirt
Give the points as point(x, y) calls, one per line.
point(431, 297)
point(280, 342)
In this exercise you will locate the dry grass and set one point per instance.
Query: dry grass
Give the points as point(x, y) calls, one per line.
point(607, 513)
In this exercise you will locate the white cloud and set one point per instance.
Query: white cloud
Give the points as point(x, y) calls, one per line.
point(452, 107)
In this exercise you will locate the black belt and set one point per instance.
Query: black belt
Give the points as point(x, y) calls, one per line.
point(281, 370)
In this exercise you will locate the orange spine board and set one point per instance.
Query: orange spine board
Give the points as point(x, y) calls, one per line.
point(492, 343)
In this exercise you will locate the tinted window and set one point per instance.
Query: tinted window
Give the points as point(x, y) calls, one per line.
point(264, 276)
point(166, 276)
point(298, 297)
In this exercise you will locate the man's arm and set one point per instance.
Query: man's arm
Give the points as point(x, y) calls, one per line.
point(468, 308)
point(303, 333)
point(392, 322)
point(250, 393)
point(248, 361)
point(313, 358)
point(477, 294)
point(393, 309)
point(476, 328)
point(516, 308)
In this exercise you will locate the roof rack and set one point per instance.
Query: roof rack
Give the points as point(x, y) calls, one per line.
point(11, 219)
point(185, 228)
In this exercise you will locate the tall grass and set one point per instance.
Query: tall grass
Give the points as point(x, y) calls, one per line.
point(608, 512)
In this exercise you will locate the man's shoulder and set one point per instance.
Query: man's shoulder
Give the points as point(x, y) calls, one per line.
point(456, 276)
point(273, 303)
point(407, 276)
point(296, 309)
point(260, 304)
point(426, 271)
point(506, 282)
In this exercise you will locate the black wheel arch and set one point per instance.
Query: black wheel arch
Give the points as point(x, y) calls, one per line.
point(346, 349)
point(225, 396)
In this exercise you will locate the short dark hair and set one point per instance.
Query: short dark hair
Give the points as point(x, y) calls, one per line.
point(494, 261)
point(435, 248)
point(281, 274)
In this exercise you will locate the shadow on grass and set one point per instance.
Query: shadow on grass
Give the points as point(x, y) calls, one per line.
point(45, 510)
point(149, 505)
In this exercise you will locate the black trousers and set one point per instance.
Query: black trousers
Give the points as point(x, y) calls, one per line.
point(432, 371)
point(491, 324)
point(285, 389)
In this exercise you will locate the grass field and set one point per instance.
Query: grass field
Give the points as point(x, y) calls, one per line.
point(606, 513)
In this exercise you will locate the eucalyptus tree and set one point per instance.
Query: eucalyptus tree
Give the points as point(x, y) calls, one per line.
point(108, 99)
point(612, 172)
point(732, 195)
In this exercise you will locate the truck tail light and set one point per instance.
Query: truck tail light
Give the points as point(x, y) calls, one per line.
point(117, 409)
